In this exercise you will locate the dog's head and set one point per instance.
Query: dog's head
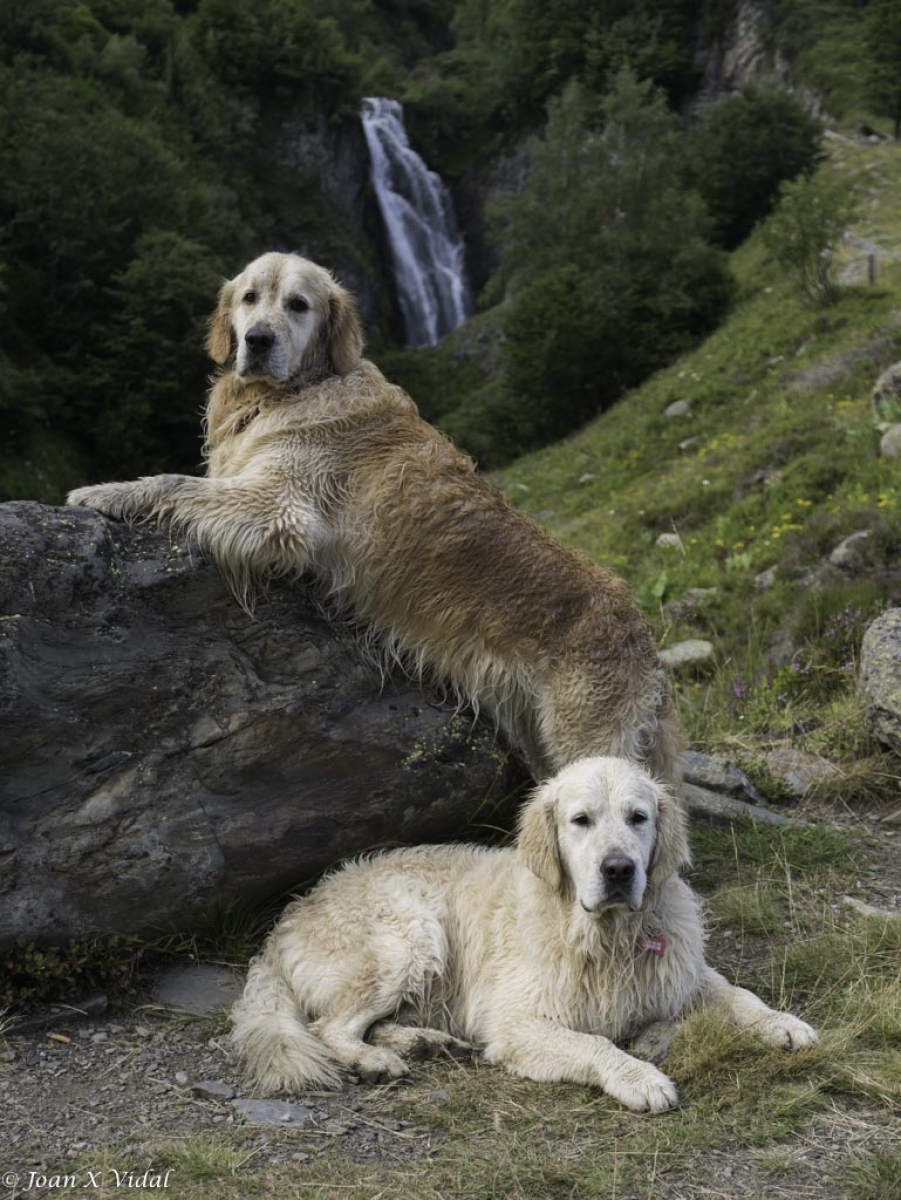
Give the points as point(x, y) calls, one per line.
point(285, 317)
point(601, 831)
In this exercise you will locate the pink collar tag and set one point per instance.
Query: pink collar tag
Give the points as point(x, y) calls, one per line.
point(656, 945)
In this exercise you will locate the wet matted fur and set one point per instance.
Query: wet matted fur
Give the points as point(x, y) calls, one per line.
point(315, 462)
point(544, 956)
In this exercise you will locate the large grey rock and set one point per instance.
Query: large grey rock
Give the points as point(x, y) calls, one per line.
point(164, 755)
point(334, 151)
point(713, 808)
point(880, 677)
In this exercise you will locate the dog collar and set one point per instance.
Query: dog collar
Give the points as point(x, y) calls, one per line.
point(656, 945)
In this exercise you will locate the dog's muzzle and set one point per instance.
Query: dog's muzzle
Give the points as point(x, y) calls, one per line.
point(618, 875)
point(257, 352)
point(260, 340)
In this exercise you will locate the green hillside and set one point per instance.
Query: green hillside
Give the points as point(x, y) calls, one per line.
point(775, 464)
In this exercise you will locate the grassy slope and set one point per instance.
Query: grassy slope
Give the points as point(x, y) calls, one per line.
point(776, 463)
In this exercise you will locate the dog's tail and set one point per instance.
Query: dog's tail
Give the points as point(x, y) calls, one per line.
point(278, 1051)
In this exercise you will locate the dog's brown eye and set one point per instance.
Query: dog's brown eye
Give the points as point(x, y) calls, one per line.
point(298, 304)
point(249, 297)
point(581, 819)
point(638, 818)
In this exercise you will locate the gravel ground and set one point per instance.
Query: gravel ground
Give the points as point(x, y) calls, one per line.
point(134, 1078)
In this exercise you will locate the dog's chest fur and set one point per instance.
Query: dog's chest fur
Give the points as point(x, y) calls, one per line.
point(593, 977)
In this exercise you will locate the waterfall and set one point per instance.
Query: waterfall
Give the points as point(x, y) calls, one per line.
point(426, 247)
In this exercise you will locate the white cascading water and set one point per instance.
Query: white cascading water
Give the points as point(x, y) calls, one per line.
point(425, 244)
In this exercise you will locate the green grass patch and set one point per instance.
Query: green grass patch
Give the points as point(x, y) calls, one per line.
point(753, 908)
point(876, 1176)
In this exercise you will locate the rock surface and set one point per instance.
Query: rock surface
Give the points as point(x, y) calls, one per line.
point(200, 989)
point(718, 774)
point(890, 442)
point(880, 677)
point(678, 408)
point(886, 396)
point(689, 653)
point(847, 553)
point(165, 755)
point(800, 772)
point(713, 808)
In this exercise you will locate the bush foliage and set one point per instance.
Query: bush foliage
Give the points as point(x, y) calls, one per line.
point(744, 150)
point(803, 233)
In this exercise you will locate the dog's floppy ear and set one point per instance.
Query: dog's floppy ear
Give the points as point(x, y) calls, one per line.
point(219, 334)
point(537, 839)
point(345, 337)
point(671, 850)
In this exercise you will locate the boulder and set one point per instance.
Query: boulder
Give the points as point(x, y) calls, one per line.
point(678, 408)
point(890, 442)
point(718, 774)
point(847, 553)
point(886, 396)
point(880, 677)
point(166, 755)
point(800, 772)
point(690, 653)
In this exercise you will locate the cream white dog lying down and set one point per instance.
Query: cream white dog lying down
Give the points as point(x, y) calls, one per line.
point(545, 954)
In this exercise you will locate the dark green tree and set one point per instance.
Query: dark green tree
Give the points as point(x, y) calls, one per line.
point(743, 151)
point(609, 272)
point(883, 66)
point(140, 164)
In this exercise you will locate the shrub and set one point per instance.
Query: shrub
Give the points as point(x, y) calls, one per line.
point(804, 231)
point(746, 147)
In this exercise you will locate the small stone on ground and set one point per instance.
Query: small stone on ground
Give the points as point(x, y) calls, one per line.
point(198, 990)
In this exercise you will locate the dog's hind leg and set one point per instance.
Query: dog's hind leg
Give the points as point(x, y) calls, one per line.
point(417, 1041)
point(343, 1035)
point(403, 951)
point(611, 710)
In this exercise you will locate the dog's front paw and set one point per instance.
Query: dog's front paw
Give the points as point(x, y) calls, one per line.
point(785, 1031)
point(113, 499)
point(640, 1086)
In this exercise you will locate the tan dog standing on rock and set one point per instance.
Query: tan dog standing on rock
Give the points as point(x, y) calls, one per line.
point(316, 463)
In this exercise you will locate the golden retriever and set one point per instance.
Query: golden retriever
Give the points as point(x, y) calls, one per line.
point(544, 955)
point(316, 463)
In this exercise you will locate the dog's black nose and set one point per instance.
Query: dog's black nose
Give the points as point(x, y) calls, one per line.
point(259, 338)
point(618, 871)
